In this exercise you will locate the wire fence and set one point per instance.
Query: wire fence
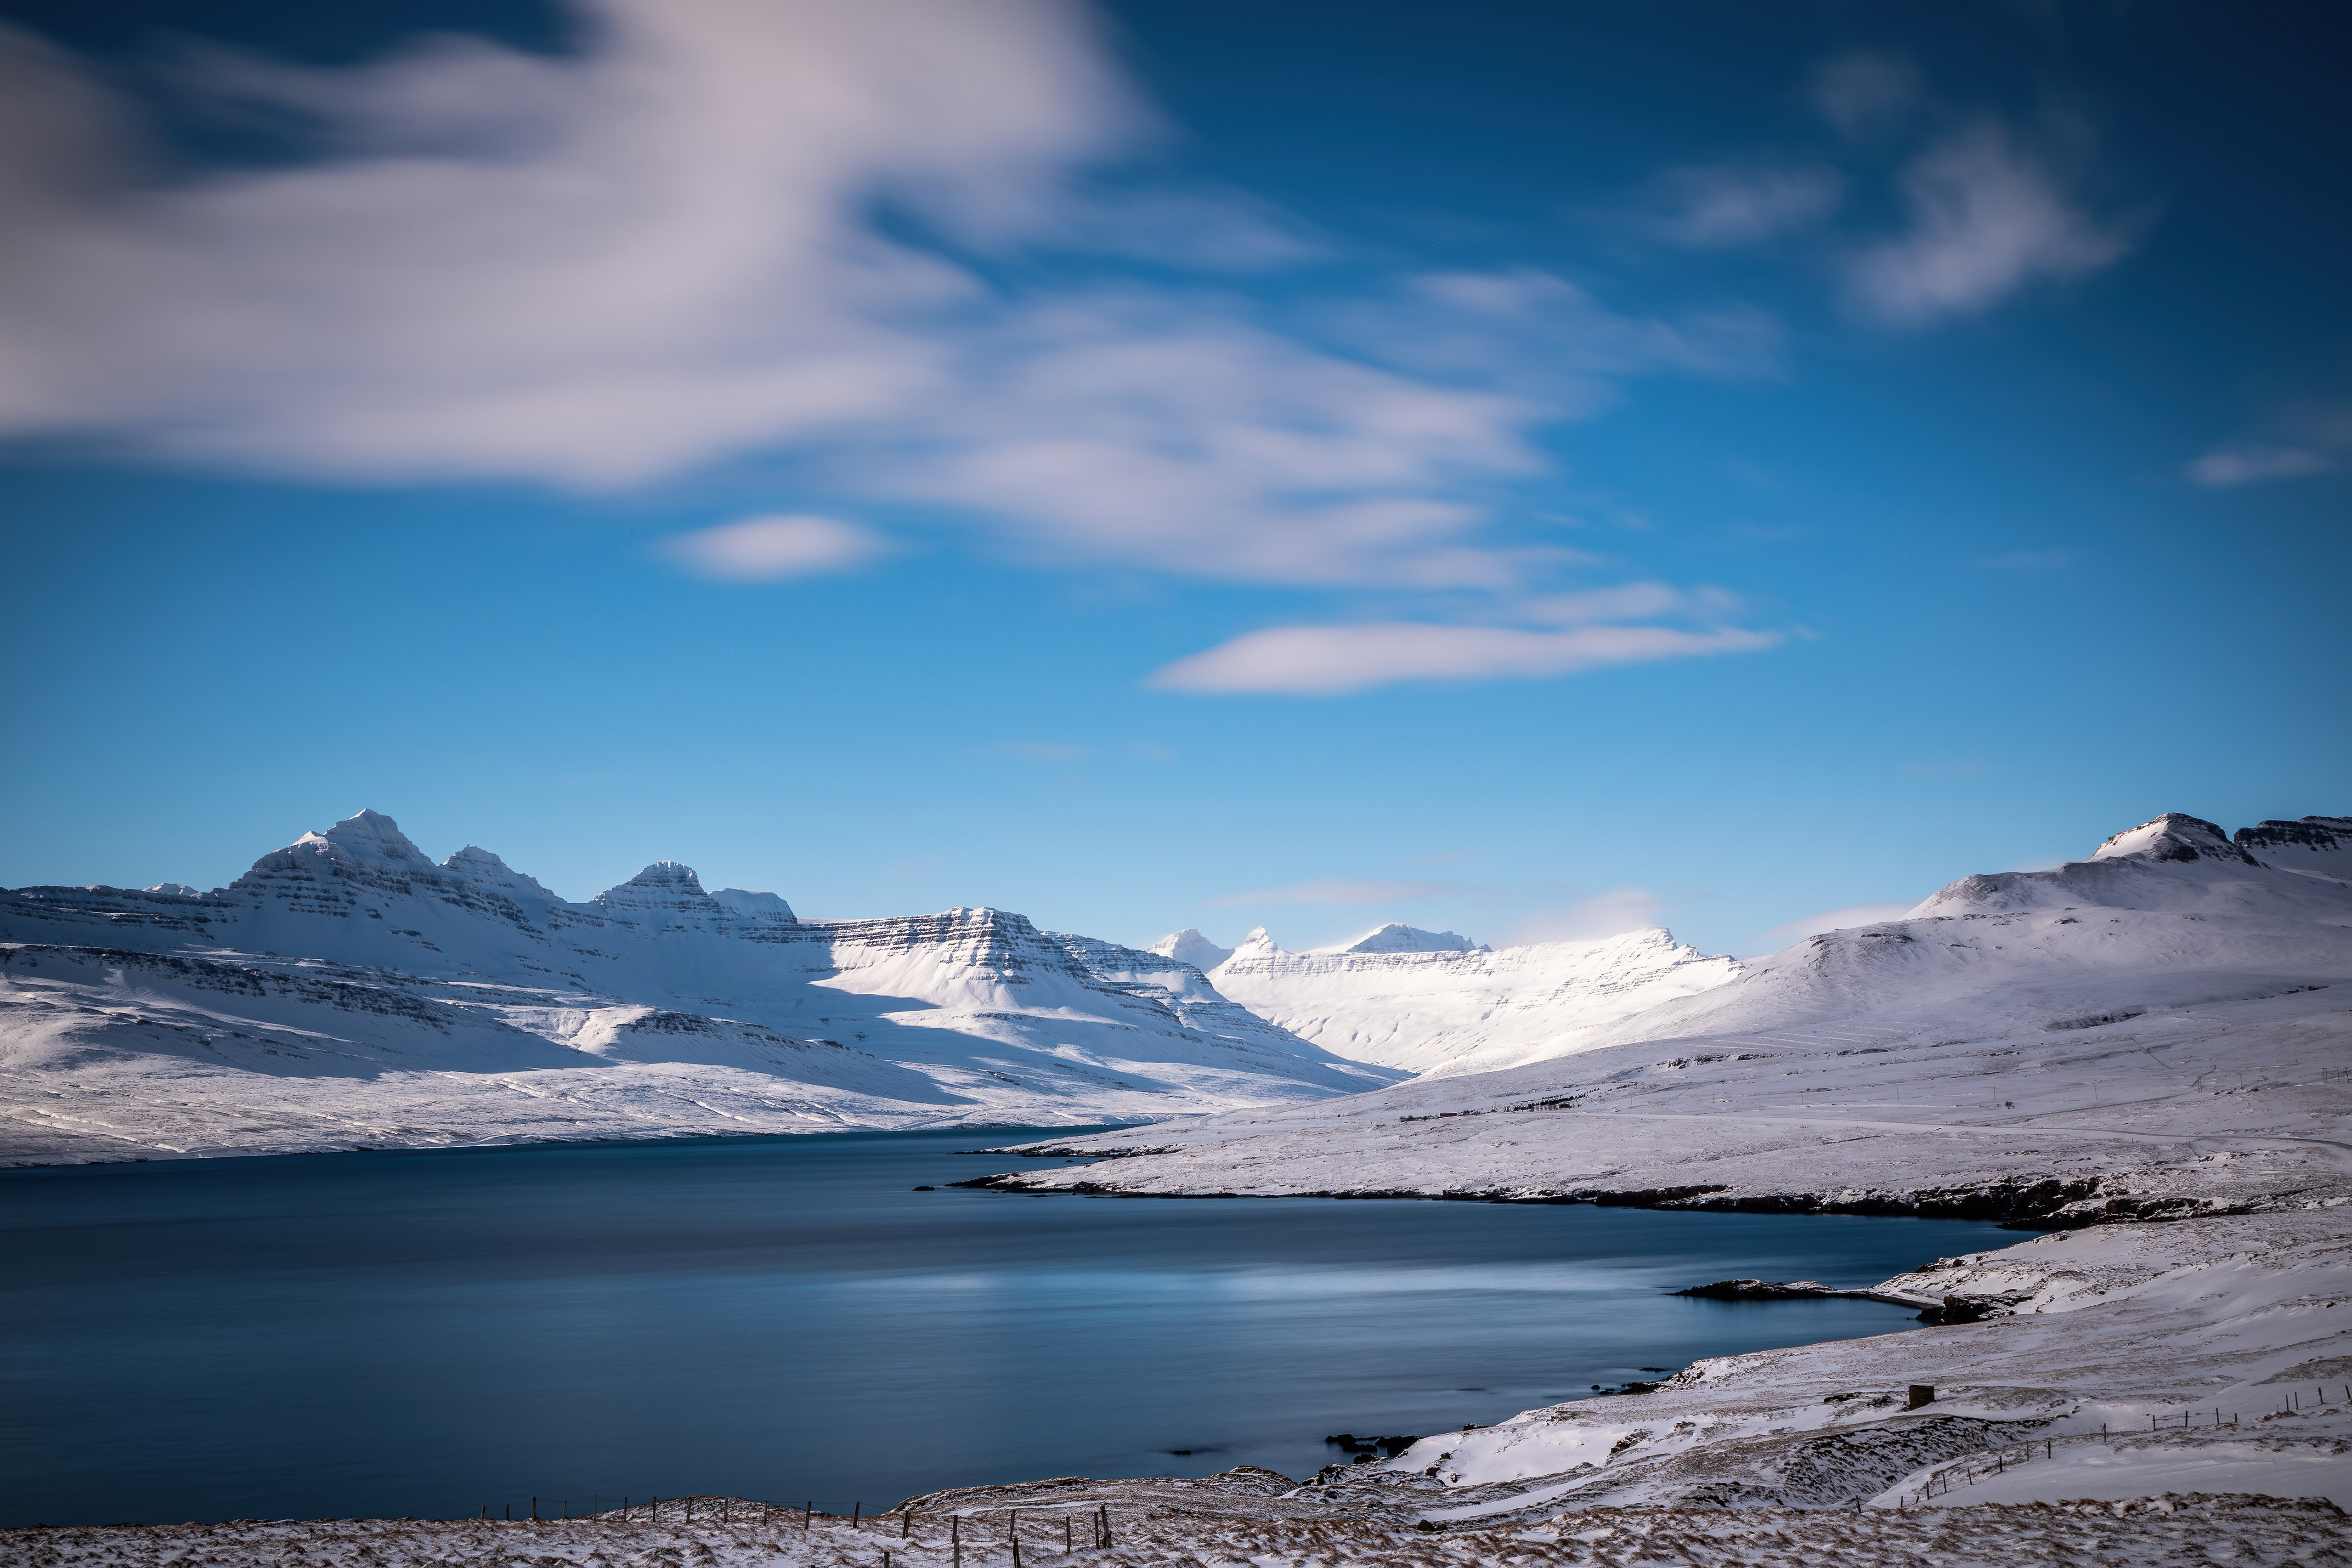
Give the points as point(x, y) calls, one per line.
point(1969, 1471)
point(1068, 1529)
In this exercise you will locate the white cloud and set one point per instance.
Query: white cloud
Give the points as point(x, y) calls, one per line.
point(1541, 336)
point(1988, 216)
point(1629, 601)
point(1339, 892)
point(1715, 208)
point(766, 549)
point(592, 270)
point(1603, 915)
point(688, 243)
point(1841, 919)
point(1327, 661)
point(2226, 467)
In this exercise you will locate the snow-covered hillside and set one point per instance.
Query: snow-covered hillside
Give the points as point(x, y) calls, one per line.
point(1434, 1004)
point(2165, 1028)
point(2161, 1032)
point(349, 991)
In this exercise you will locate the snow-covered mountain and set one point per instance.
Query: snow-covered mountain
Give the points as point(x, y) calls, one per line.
point(1189, 946)
point(1394, 938)
point(1437, 1003)
point(348, 990)
point(2162, 1028)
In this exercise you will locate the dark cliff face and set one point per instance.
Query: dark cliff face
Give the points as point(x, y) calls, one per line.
point(2324, 835)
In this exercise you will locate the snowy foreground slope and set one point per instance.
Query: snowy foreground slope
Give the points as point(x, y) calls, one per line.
point(1438, 1005)
point(348, 992)
point(1239, 1520)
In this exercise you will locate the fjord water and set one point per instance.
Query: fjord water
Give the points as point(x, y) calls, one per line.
point(423, 1334)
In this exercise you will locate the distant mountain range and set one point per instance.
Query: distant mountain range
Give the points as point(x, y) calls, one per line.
point(348, 991)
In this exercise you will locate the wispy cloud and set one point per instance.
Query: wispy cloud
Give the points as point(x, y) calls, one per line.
point(1588, 920)
point(1865, 92)
point(1719, 207)
point(729, 228)
point(1340, 892)
point(2225, 467)
point(1988, 216)
point(1330, 661)
point(2028, 560)
point(766, 549)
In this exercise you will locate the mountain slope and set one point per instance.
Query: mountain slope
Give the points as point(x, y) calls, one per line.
point(1433, 1005)
point(349, 990)
point(2165, 1028)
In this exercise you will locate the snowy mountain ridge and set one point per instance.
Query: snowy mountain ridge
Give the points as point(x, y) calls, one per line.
point(2160, 1029)
point(349, 990)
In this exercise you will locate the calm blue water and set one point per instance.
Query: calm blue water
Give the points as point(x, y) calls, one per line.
point(423, 1334)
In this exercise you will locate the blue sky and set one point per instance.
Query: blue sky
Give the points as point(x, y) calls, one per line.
point(1530, 469)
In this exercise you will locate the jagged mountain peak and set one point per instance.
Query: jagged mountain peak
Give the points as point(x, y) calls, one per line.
point(669, 886)
point(484, 870)
point(2174, 836)
point(366, 836)
point(1256, 945)
point(1396, 937)
point(1189, 946)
